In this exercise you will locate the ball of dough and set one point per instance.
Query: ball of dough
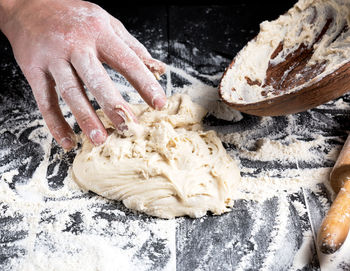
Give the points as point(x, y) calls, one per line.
point(166, 166)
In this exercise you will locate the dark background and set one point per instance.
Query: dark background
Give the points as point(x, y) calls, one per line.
point(223, 29)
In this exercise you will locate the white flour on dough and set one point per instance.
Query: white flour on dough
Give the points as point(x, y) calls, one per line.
point(169, 167)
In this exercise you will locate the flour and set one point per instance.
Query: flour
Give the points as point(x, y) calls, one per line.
point(61, 227)
point(55, 248)
point(304, 255)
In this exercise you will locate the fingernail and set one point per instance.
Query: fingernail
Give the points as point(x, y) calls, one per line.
point(67, 143)
point(122, 127)
point(159, 103)
point(121, 116)
point(97, 137)
point(156, 75)
point(120, 121)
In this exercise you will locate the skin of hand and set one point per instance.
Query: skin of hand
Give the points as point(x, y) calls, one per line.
point(62, 44)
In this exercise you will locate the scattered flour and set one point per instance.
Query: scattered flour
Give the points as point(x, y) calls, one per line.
point(50, 216)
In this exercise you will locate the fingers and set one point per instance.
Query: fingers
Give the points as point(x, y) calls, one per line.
point(120, 57)
point(46, 97)
point(155, 66)
point(74, 95)
point(95, 77)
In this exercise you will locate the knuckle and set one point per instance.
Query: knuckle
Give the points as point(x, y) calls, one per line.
point(58, 127)
point(119, 24)
point(57, 130)
point(118, 27)
point(67, 89)
point(94, 7)
point(85, 120)
point(33, 73)
point(96, 16)
point(79, 54)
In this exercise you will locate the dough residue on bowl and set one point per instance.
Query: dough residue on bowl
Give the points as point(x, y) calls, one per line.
point(167, 166)
point(313, 37)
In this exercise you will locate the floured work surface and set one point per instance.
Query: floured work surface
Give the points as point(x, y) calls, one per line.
point(47, 223)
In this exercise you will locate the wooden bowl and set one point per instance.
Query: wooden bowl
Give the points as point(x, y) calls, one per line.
point(294, 80)
point(330, 87)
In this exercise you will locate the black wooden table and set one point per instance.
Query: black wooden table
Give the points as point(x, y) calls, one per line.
point(274, 234)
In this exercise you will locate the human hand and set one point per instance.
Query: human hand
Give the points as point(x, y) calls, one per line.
point(64, 43)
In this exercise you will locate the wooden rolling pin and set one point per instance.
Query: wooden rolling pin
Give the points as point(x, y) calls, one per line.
point(335, 226)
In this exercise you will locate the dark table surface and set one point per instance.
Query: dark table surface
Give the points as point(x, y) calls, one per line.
point(246, 238)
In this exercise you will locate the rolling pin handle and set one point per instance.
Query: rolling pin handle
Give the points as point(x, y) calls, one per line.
point(335, 226)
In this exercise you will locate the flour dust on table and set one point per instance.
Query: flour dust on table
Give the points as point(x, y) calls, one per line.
point(48, 222)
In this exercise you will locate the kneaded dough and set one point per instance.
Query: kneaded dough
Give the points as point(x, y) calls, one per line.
point(167, 166)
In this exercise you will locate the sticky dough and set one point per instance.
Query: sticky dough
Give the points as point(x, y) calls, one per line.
point(167, 166)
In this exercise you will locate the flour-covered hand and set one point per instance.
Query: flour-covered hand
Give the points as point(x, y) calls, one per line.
point(62, 44)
